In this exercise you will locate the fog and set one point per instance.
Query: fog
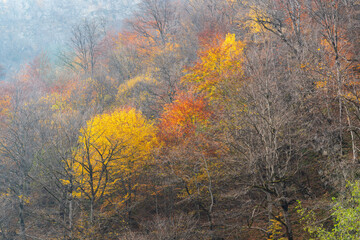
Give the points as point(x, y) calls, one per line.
point(30, 27)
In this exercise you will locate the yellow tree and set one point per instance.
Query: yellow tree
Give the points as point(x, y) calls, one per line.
point(187, 126)
point(218, 65)
point(113, 149)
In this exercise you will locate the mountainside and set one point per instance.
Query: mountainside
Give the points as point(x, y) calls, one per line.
point(180, 119)
point(31, 26)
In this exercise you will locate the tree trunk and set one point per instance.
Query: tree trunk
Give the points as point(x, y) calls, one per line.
point(70, 212)
point(22, 220)
point(288, 227)
point(91, 211)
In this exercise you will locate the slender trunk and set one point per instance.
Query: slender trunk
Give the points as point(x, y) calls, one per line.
point(62, 210)
point(285, 207)
point(129, 201)
point(288, 226)
point(92, 230)
point(92, 211)
point(211, 196)
point(269, 209)
point(352, 135)
point(70, 212)
point(156, 205)
point(338, 76)
point(22, 220)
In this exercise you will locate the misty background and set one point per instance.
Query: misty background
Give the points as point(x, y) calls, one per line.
point(30, 27)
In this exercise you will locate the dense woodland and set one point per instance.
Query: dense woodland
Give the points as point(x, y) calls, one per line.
point(200, 119)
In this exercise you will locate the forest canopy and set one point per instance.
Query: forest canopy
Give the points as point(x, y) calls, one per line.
point(221, 119)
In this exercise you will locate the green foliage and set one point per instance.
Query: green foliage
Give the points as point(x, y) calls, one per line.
point(345, 213)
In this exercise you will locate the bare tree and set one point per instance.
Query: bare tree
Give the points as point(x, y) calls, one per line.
point(155, 19)
point(266, 131)
point(18, 148)
point(85, 46)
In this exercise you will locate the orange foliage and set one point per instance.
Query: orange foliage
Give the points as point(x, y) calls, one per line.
point(66, 89)
point(211, 37)
point(145, 46)
point(6, 92)
point(185, 115)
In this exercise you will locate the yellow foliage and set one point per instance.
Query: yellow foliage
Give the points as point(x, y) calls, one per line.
point(114, 147)
point(171, 47)
point(65, 182)
point(218, 65)
point(5, 103)
point(255, 19)
point(132, 92)
point(255, 16)
point(59, 102)
point(275, 230)
point(321, 84)
point(126, 87)
point(24, 199)
point(6, 194)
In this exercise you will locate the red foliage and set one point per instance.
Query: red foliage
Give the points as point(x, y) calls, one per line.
point(211, 37)
point(183, 117)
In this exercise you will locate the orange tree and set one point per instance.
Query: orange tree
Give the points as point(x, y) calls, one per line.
point(192, 126)
point(189, 154)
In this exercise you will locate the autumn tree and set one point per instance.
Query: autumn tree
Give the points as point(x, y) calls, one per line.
point(189, 127)
point(257, 108)
point(159, 41)
point(253, 105)
point(114, 148)
point(218, 65)
point(190, 156)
